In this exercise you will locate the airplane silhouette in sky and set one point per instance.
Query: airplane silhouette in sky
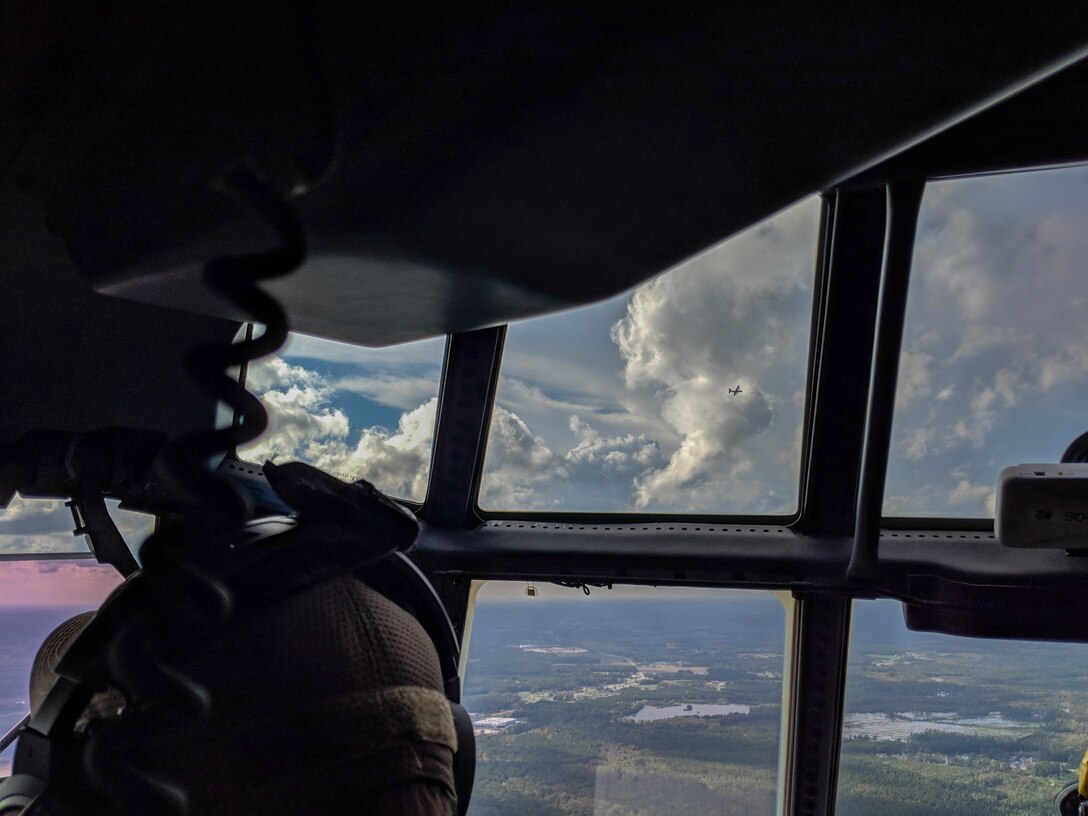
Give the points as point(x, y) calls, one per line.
point(734, 391)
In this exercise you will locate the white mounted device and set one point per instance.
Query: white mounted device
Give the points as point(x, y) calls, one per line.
point(1043, 506)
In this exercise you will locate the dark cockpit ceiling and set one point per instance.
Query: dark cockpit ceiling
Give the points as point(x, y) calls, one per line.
point(483, 163)
point(463, 167)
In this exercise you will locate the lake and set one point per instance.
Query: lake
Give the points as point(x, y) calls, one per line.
point(650, 713)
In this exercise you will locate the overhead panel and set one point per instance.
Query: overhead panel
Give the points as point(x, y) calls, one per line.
point(478, 164)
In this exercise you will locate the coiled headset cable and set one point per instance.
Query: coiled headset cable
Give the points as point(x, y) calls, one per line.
point(184, 599)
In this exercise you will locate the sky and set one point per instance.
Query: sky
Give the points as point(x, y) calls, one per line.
point(45, 526)
point(995, 352)
point(355, 412)
point(623, 406)
point(76, 582)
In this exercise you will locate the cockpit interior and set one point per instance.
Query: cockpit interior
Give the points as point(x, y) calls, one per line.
point(706, 380)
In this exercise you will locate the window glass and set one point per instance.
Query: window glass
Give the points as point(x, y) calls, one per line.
point(936, 724)
point(994, 366)
point(629, 405)
point(358, 413)
point(35, 597)
point(629, 701)
point(39, 526)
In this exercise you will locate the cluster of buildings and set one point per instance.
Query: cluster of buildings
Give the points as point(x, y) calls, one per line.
point(492, 725)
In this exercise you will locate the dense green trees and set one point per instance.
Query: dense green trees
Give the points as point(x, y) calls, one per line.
point(574, 751)
point(583, 757)
point(892, 786)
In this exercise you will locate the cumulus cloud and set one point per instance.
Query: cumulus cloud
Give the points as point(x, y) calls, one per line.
point(967, 493)
point(30, 525)
point(992, 356)
point(518, 462)
point(301, 421)
point(611, 453)
point(276, 372)
point(912, 504)
point(737, 315)
point(37, 526)
point(395, 461)
point(596, 472)
point(1000, 266)
point(711, 457)
point(914, 377)
point(35, 517)
point(305, 424)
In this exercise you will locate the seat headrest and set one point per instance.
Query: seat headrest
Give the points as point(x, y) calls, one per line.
point(43, 672)
point(328, 701)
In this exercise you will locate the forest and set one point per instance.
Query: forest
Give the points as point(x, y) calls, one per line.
point(934, 725)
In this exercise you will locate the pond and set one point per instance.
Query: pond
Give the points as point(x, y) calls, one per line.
point(901, 726)
point(649, 713)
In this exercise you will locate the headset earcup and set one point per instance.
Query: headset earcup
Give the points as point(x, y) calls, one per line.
point(18, 791)
point(464, 762)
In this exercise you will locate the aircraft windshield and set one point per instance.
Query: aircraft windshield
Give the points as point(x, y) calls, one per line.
point(948, 726)
point(686, 395)
point(44, 526)
point(629, 701)
point(35, 597)
point(354, 412)
point(995, 356)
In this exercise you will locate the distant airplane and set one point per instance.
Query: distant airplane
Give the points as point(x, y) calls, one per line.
point(734, 391)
